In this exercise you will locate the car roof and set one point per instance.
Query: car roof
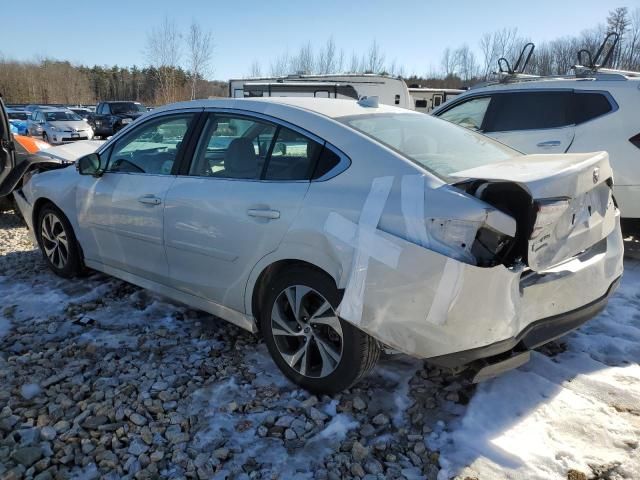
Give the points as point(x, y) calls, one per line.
point(328, 107)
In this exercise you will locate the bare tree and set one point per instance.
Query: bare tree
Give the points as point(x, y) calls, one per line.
point(633, 41)
point(327, 61)
point(256, 70)
point(199, 53)
point(374, 62)
point(618, 22)
point(354, 64)
point(303, 62)
point(280, 66)
point(163, 53)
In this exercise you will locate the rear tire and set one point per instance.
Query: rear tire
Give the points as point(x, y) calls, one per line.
point(58, 243)
point(316, 349)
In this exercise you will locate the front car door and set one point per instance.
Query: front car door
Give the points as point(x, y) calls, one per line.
point(120, 214)
point(235, 203)
point(531, 121)
point(7, 149)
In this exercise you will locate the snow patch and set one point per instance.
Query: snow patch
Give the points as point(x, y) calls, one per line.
point(578, 410)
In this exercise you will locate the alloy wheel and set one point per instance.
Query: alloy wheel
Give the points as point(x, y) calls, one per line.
point(307, 331)
point(54, 240)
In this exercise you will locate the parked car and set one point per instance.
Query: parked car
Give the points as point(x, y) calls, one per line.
point(336, 228)
point(110, 117)
point(84, 113)
point(573, 114)
point(60, 126)
point(18, 119)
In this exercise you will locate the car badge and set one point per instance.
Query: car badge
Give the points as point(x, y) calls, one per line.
point(596, 175)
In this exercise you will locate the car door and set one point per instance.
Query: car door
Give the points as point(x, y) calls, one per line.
point(7, 149)
point(120, 214)
point(243, 189)
point(532, 121)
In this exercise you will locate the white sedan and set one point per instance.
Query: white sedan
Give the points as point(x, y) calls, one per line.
point(338, 228)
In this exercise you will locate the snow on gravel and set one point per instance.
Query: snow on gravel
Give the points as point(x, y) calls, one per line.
point(578, 410)
point(99, 378)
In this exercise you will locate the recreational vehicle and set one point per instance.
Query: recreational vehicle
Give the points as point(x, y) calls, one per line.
point(389, 90)
point(426, 99)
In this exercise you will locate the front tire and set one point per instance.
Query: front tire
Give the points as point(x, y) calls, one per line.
point(58, 243)
point(310, 344)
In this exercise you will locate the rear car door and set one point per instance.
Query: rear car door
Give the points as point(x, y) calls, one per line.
point(120, 213)
point(234, 204)
point(532, 121)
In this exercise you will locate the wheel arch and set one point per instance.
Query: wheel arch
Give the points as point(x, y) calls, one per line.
point(275, 263)
point(35, 212)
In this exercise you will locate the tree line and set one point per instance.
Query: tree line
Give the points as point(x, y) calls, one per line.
point(464, 65)
point(178, 64)
point(177, 67)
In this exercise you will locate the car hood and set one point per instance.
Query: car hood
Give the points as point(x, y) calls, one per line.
point(72, 151)
point(572, 201)
point(70, 125)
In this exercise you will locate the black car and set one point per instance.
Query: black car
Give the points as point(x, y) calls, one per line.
point(112, 116)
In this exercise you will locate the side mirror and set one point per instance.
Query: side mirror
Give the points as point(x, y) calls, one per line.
point(89, 165)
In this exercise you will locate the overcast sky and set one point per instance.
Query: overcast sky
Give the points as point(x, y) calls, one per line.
point(413, 33)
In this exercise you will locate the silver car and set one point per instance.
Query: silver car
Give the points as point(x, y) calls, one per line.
point(338, 229)
point(59, 126)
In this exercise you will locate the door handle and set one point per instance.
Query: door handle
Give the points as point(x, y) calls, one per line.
point(270, 214)
point(549, 143)
point(149, 200)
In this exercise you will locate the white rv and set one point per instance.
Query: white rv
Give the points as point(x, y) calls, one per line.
point(426, 99)
point(389, 90)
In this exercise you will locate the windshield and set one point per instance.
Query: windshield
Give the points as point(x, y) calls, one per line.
point(17, 115)
point(127, 107)
point(439, 146)
point(62, 117)
point(80, 111)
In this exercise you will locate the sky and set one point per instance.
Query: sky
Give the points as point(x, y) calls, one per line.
point(413, 33)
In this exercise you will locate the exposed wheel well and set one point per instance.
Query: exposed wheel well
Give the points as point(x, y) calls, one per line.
point(267, 274)
point(41, 202)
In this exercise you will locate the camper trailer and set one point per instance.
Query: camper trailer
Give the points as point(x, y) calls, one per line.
point(389, 90)
point(426, 99)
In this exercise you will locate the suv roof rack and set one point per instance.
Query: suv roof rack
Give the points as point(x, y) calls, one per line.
point(591, 68)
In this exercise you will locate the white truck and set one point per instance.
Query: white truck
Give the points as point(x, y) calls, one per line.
point(389, 90)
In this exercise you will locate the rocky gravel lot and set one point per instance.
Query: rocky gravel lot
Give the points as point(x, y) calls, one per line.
point(100, 379)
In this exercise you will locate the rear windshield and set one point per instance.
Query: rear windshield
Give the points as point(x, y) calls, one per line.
point(439, 146)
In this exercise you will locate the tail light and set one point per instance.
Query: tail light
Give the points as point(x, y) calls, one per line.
point(635, 140)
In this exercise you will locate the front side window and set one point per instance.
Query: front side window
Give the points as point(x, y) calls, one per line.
point(152, 147)
point(440, 147)
point(469, 114)
point(232, 147)
point(529, 111)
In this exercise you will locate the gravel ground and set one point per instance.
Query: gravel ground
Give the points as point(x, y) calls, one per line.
point(100, 379)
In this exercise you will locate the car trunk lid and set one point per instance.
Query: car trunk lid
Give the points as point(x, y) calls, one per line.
point(572, 201)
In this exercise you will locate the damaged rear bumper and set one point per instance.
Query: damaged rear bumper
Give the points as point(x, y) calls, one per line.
point(533, 336)
point(452, 313)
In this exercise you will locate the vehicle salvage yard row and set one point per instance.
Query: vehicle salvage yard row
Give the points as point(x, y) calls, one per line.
point(101, 377)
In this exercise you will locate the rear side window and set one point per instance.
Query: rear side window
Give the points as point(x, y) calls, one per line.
point(327, 161)
point(528, 111)
point(292, 157)
point(590, 105)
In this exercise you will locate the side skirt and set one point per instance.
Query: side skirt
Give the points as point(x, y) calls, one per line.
point(228, 314)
